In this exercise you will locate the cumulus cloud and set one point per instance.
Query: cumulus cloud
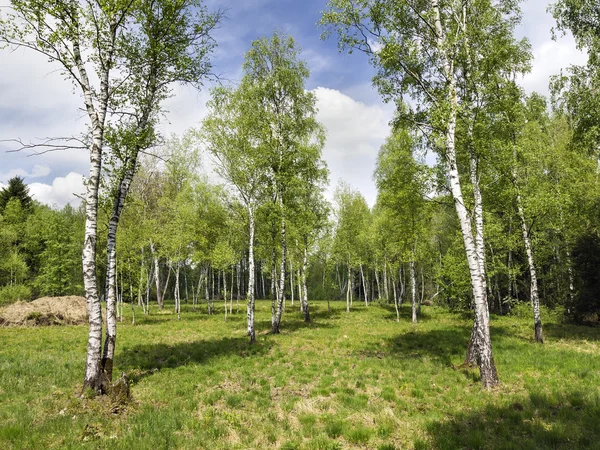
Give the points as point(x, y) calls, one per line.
point(550, 57)
point(37, 171)
point(355, 131)
point(63, 190)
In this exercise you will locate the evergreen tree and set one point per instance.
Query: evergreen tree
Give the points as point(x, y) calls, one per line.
point(16, 189)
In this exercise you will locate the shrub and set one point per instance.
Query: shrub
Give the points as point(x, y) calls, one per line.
point(12, 293)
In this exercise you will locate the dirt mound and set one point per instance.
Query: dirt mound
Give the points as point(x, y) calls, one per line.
point(69, 310)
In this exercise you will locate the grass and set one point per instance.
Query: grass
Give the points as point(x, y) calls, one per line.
point(357, 380)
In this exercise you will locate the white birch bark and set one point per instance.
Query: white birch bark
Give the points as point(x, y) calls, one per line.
point(395, 299)
point(304, 288)
point(481, 341)
point(535, 298)
point(281, 293)
point(377, 282)
point(413, 288)
point(292, 281)
point(365, 293)
point(225, 293)
point(111, 287)
point(348, 291)
point(250, 295)
point(385, 281)
point(93, 377)
point(177, 293)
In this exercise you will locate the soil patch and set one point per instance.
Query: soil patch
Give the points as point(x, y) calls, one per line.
point(69, 310)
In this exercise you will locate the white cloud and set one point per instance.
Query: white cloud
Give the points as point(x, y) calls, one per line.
point(550, 57)
point(37, 171)
point(63, 190)
point(355, 131)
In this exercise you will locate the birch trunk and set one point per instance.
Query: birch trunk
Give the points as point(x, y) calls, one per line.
point(250, 296)
point(377, 282)
point(413, 288)
point(231, 294)
point(225, 293)
point(111, 269)
point(177, 293)
point(206, 293)
point(274, 290)
point(93, 368)
point(348, 291)
point(299, 289)
point(395, 300)
point(159, 298)
point(237, 300)
point(292, 281)
point(535, 297)
point(385, 281)
point(281, 293)
point(481, 338)
point(365, 293)
point(304, 289)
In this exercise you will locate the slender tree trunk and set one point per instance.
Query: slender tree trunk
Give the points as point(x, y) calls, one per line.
point(250, 296)
point(281, 294)
point(413, 288)
point(422, 297)
point(159, 297)
point(348, 291)
point(237, 271)
point(177, 293)
point(262, 277)
point(274, 290)
point(385, 281)
point(365, 293)
point(571, 277)
point(535, 298)
point(111, 269)
point(299, 288)
point(292, 282)
point(148, 285)
point(377, 282)
point(304, 289)
point(231, 294)
point(206, 292)
point(166, 286)
point(402, 285)
point(93, 378)
point(395, 299)
point(141, 283)
point(225, 293)
point(185, 281)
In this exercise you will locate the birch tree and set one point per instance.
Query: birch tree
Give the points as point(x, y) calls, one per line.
point(426, 51)
point(233, 135)
point(82, 40)
point(288, 120)
point(172, 45)
point(402, 184)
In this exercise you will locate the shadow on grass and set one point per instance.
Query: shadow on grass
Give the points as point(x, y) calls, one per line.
point(405, 312)
point(561, 421)
point(441, 345)
point(144, 360)
point(571, 331)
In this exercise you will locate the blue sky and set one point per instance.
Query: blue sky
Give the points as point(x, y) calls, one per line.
point(36, 102)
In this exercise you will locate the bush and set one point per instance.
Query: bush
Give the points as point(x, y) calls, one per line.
point(12, 293)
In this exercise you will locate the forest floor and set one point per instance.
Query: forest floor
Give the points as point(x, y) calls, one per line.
point(357, 380)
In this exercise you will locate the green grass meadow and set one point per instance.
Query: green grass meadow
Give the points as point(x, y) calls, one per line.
point(358, 381)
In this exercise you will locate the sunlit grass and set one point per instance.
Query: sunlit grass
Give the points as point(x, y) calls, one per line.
point(357, 380)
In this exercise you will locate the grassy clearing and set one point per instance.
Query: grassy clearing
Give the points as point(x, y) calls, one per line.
point(357, 380)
